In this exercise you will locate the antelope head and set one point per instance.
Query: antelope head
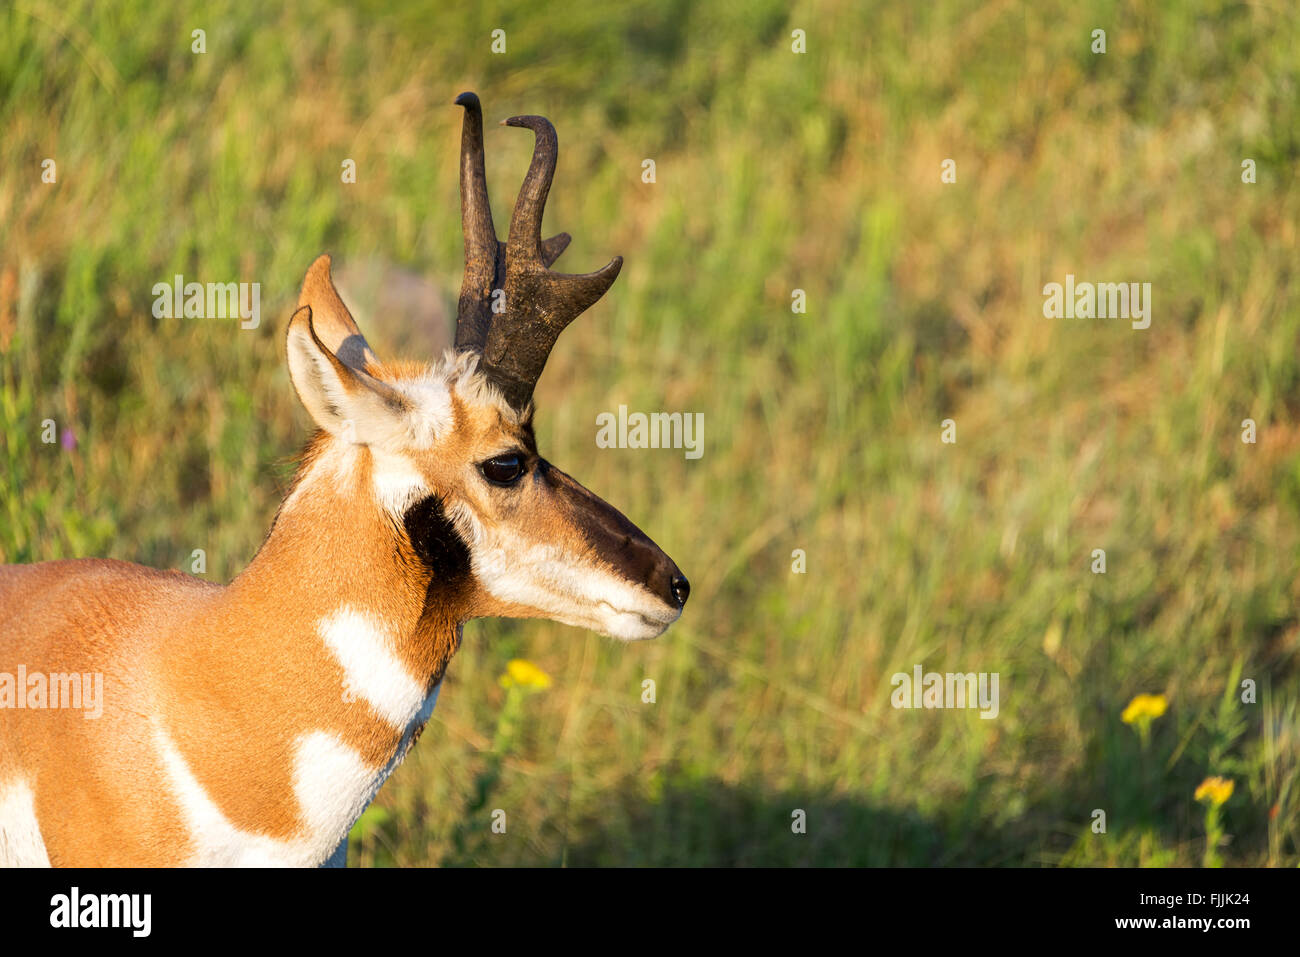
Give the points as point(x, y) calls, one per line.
point(448, 450)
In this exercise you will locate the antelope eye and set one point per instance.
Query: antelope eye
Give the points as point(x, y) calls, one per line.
point(503, 469)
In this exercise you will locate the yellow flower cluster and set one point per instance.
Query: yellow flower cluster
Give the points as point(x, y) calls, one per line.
point(524, 674)
point(1215, 790)
point(1145, 708)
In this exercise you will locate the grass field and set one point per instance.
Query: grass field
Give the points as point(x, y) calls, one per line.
point(775, 171)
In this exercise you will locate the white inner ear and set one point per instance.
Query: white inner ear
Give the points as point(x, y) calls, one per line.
point(358, 415)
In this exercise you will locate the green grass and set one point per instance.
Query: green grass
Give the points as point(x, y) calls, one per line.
point(775, 171)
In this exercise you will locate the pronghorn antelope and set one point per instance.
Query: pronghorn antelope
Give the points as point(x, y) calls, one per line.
point(250, 724)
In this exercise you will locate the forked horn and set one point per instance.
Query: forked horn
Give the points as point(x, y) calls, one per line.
point(539, 303)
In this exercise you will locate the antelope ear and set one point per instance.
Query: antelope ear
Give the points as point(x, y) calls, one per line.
point(344, 401)
point(333, 322)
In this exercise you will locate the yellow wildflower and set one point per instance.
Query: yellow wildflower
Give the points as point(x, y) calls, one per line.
point(524, 674)
point(1145, 708)
point(1215, 790)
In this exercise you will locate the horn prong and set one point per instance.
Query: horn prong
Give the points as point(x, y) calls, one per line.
point(524, 240)
point(553, 247)
point(539, 304)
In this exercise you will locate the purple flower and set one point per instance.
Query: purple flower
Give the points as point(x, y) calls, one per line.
point(69, 440)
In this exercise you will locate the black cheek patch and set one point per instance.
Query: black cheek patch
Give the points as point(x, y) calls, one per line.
point(436, 542)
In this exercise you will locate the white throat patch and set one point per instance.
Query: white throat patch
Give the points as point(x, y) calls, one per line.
point(363, 645)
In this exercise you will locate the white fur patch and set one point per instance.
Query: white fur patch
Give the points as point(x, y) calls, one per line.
point(324, 764)
point(567, 588)
point(397, 483)
point(21, 844)
point(430, 416)
point(363, 646)
point(217, 842)
point(333, 785)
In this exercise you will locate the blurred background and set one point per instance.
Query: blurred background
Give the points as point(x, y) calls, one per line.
point(774, 171)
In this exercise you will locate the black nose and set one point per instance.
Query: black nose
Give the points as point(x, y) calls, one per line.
point(681, 588)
